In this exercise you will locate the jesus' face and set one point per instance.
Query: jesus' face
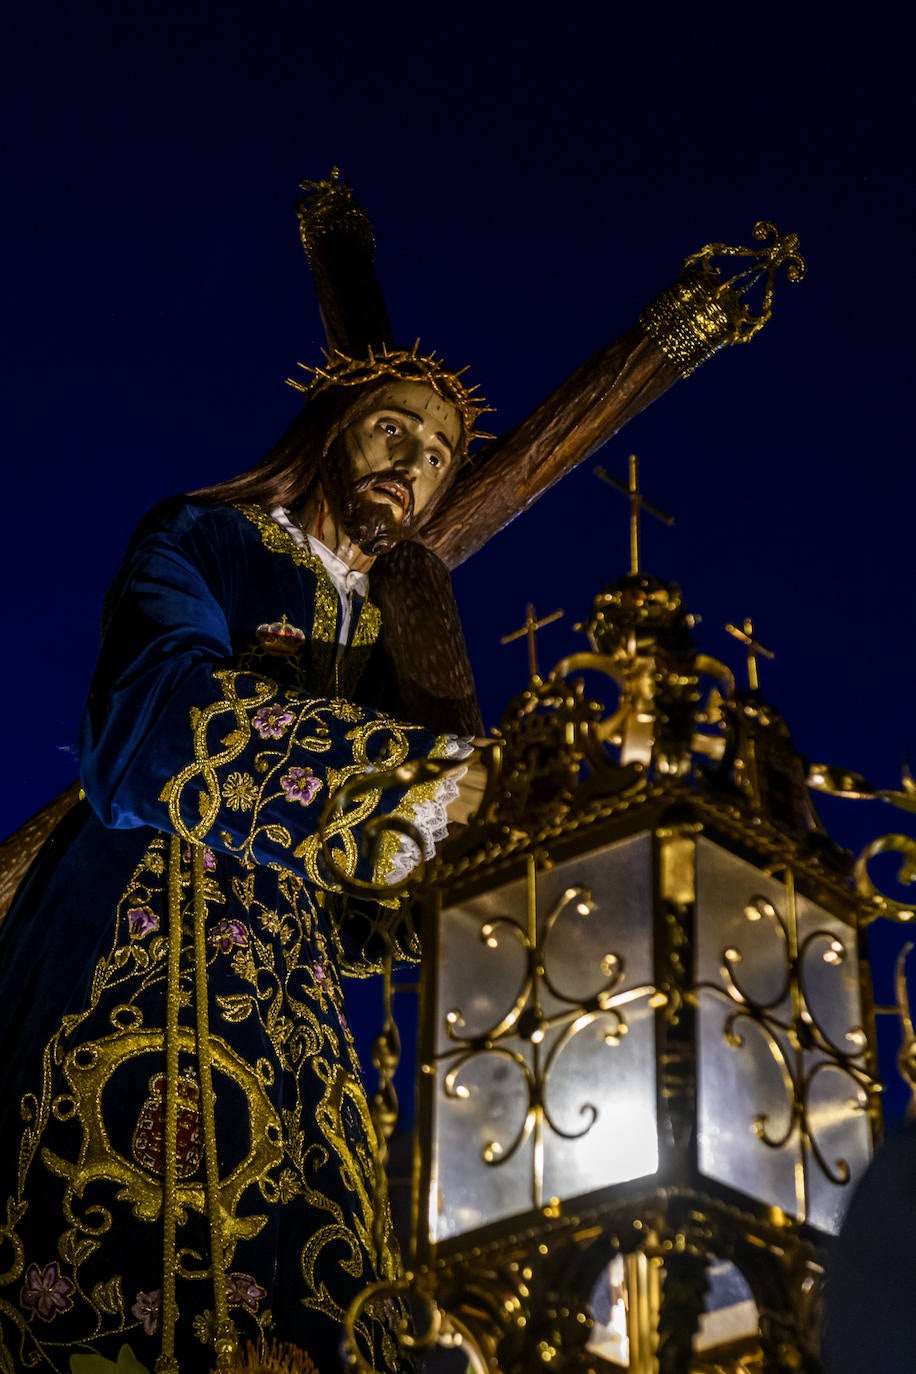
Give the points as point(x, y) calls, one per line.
point(398, 454)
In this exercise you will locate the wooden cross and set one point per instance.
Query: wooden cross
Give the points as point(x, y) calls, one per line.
point(530, 628)
point(638, 503)
point(754, 649)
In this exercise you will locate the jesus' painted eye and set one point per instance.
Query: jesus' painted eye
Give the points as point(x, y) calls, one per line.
point(389, 428)
point(433, 459)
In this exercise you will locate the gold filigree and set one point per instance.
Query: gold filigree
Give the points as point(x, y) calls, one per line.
point(327, 604)
point(800, 1030)
point(353, 805)
point(203, 768)
point(701, 313)
point(327, 206)
point(323, 634)
point(880, 903)
point(88, 1068)
point(526, 1022)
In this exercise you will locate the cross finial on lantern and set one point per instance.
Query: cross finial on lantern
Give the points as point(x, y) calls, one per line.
point(754, 650)
point(638, 503)
point(530, 628)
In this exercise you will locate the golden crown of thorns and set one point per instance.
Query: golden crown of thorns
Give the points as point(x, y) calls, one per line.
point(407, 364)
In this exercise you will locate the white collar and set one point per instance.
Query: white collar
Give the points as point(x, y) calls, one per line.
point(345, 579)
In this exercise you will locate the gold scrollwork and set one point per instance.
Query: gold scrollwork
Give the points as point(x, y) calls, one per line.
point(526, 1019)
point(352, 804)
point(792, 1038)
point(882, 905)
point(87, 1079)
point(439, 1326)
point(701, 313)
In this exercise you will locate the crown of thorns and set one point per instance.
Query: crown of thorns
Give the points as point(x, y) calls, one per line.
point(407, 364)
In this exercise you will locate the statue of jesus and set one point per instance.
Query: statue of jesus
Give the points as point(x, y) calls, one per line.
point(188, 1159)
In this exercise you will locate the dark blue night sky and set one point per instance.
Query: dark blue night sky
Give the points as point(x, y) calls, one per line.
point(533, 183)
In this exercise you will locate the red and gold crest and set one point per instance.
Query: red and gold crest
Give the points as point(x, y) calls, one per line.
point(149, 1134)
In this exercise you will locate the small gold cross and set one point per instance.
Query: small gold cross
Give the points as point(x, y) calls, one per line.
point(754, 650)
point(530, 628)
point(638, 503)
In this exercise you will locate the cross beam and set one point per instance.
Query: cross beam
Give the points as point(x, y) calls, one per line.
point(755, 650)
point(638, 503)
point(530, 628)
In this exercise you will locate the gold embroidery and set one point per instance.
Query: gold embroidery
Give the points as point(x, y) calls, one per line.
point(88, 1069)
point(324, 628)
point(166, 1363)
point(323, 634)
point(205, 765)
point(295, 993)
point(225, 1340)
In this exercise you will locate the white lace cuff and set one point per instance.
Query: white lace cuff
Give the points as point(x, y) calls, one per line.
point(427, 812)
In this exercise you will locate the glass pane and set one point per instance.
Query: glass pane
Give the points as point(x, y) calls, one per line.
point(497, 1153)
point(766, 1036)
point(729, 1311)
point(608, 1302)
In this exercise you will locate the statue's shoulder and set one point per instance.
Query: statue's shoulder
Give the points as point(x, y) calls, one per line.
point(179, 517)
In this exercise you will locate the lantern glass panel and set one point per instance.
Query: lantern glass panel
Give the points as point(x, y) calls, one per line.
point(496, 1153)
point(777, 1030)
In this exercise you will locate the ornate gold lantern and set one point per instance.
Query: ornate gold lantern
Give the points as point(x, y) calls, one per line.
point(647, 1072)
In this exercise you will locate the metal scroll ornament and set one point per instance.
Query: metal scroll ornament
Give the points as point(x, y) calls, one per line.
point(525, 1022)
point(791, 1035)
point(837, 782)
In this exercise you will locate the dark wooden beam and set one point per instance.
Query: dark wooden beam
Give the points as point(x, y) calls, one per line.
point(572, 424)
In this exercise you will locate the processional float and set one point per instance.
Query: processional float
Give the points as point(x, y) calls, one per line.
point(647, 1072)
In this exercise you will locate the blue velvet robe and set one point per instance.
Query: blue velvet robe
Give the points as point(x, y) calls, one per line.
point(219, 723)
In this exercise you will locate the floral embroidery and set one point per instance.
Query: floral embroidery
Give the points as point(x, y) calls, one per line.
point(272, 722)
point(209, 858)
point(244, 1291)
point(147, 1308)
point(300, 785)
point(240, 792)
point(46, 1292)
point(346, 711)
point(141, 920)
point(226, 934)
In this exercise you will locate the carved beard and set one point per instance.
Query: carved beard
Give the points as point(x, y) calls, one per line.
point(375, 526)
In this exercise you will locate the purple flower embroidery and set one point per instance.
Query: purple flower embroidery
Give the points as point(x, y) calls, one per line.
point(141, 920)
point(45, 1292)
point(244, 1291)
point(228, 933)
point(209, 859)
point(147, 1308)
point(300, 785)
point(272, 722)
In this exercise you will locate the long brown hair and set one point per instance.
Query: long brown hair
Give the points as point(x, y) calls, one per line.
point(291, 465)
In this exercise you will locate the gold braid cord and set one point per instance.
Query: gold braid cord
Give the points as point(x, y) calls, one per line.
point(702, 312)
point(225, 1336)
point(166, 1363)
